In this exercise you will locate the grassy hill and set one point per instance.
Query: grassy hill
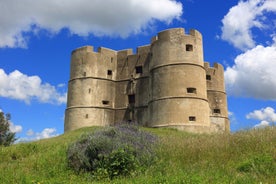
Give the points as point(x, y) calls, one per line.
point(242, 157)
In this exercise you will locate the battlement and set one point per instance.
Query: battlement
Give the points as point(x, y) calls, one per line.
point(107, 51)
point(143, 50)
point(216, 66)
point(83, 49)
point(170, 34)
point(195, 33)
point(124, 53)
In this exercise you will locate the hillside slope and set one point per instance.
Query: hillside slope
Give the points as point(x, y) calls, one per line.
point(242, 157)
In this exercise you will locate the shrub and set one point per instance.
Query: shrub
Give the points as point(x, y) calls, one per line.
point(6, 136)
point(113, 151)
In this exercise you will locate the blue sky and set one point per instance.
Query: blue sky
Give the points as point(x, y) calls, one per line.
point(37, 37)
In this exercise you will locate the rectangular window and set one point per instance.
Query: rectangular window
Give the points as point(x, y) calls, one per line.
point(192, 118)
point(109, 72)
point(84, 74)
point(191, 90)
point(208, 77)
point(131, 99)
point(86, 116)
point(217, 111)
point(189, 47)
point(89, 90)
point(139, 69)
point(105, 102)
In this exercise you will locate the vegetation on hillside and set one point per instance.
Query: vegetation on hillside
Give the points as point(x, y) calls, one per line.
point(121, 150)
point(241, 157)
point(6, 136)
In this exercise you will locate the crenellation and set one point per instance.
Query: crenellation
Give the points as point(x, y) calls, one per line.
point(196, 34)
point(83, 49)
point(153, 39)
point(171, 34)
point(145, 49)
point(164, 84)
point(106, 51)
point(124, 53)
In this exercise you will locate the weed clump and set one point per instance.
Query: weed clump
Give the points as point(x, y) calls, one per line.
point(114, 151)
point(260, 164)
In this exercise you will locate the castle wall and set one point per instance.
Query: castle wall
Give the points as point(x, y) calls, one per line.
point(164, 84)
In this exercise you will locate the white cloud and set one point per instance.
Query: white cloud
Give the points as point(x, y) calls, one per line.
point(15, 128)
point(34, 136)
point(46, 133)
point(262, 124)
point(61, 85)
point(230, 114)
point(239, 21)
point(266, 116)
point(253, 74)
point(82, 17)
point(30, 132)
point(17, 85)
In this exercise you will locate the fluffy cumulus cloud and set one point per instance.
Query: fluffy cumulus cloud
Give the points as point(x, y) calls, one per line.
point(253, 74)
point(239, 21)
point(34, 136)
point(266, 116)
point(15, 128)
point(82, 17)
point(17, 85)
point(44, 134)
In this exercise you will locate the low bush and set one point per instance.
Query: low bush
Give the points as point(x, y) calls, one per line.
point(114, 151)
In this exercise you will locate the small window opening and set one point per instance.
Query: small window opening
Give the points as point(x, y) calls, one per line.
point(139, 69)
point(189, 47)
point(109, 72)
point(191, 90)
point(131, 99)
point(217, 111)
point(84, 74)
point(192, 118)
point(89, 90)
point(111, 59)
point(105, 102)
point(208, 77)
point(86, 116)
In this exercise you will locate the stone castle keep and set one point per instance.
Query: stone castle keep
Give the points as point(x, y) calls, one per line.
point(164, 84)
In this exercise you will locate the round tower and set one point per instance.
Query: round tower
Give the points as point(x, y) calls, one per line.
point(217, 98)
point(91, 89)
point(178, 93)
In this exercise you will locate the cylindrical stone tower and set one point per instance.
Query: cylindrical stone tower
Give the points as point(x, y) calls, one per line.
point(178, 94)
point(91, 89)
point(217, 98)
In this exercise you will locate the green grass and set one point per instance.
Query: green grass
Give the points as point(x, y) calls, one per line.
point(241, 157)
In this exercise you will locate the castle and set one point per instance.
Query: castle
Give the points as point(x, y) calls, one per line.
point(164, 84)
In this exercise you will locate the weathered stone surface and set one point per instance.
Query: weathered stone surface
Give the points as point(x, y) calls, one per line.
point(165, 84)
